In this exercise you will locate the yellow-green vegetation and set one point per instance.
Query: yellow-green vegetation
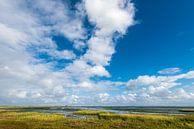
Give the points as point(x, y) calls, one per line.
point(136, 116)
point(90, 112)
point(32, 120)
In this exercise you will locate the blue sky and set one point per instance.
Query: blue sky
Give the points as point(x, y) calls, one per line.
point(97, 52)
point(163, 38)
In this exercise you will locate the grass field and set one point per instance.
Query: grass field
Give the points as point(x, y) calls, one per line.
point(32, 120)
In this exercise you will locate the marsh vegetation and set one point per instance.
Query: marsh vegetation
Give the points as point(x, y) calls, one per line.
point(18, 119)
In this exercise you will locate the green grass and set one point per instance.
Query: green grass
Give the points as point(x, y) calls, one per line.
point(10, 119)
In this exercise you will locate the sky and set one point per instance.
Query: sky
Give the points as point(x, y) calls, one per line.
point(97, 52)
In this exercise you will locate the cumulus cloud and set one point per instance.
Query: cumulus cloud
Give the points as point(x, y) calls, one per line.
point(110, 15)
point(170, 71)
point(29, 55)
point(181, 95)
point(99, 70)
point(23, 34)
point(162, 88)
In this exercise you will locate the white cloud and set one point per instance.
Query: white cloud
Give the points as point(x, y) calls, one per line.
point(100, 71)
point(166, 81)
point(103, 97)
point(57, 15)
point(181, 95)
point(21, 27)
point(170, 71)
point(10, 35)
point(64, 54)
point(85, 85)
point(162, 88)
point(126, 98)
point(189, 75)
point(110, 15)
point(100, 51)
point(101, 46)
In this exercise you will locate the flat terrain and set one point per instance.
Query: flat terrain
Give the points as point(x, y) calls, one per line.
point(17, 119)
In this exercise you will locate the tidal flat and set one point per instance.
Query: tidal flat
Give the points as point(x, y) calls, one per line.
point(26, 118)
